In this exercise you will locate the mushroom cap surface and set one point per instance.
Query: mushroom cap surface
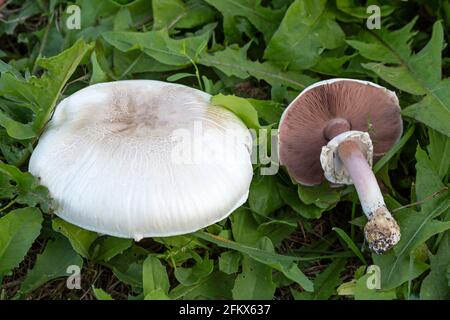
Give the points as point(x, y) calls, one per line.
point(328, 108)
point(142, 158)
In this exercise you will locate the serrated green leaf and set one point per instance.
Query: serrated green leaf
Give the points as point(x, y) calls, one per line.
point(136, 61)
point(80, 239)
point(277, 230)
point(325, 283)
point(179, 76)
point(30, 8)
point(416, 228)
point(158, 45)
point(229, 262)
point(181, 242)
point(18, 230)
point(254, 282)
point(101, 294)
point(16, 129)
point(268, 111)
point(418, 74)
point(264, 19)
point(59, 69)
point(264, 197)
point(191, 276)
point(291, 197)
point(322, 195)
point(439, 150)
point(315, 30)
point(98, 75)
point(268, 257)
point(435, 286)
point(178, 14)
point(362, 286)
point(352, 246)
point(434, 109)
point(27, 187)
point(363, 292)
point(57, 256)
point(334, 66)
point(351, 7)
point(233, 61)
point(427, 181)
point(216, 286)
point(158, 294)
point(109, 247)
point(395, 149)
point(389, 46)
point(122, 20)
point(244, 227)
point(154, 276)
point(130, 274)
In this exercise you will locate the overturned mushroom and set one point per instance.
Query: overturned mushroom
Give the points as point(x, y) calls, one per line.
point(332, 130)
point(143, 158)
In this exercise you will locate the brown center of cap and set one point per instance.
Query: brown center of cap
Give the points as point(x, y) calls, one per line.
point(336, 126)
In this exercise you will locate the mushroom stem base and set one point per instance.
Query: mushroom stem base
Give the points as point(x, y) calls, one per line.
point(382, 231)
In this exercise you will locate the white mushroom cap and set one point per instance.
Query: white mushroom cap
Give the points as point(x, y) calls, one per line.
point(332, 165)
point(141, 158)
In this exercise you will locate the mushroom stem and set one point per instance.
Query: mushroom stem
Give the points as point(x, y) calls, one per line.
point(351, 154)
point(382, 231)
point(335, 127)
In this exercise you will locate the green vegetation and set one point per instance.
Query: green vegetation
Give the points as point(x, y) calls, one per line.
point(288, 241)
